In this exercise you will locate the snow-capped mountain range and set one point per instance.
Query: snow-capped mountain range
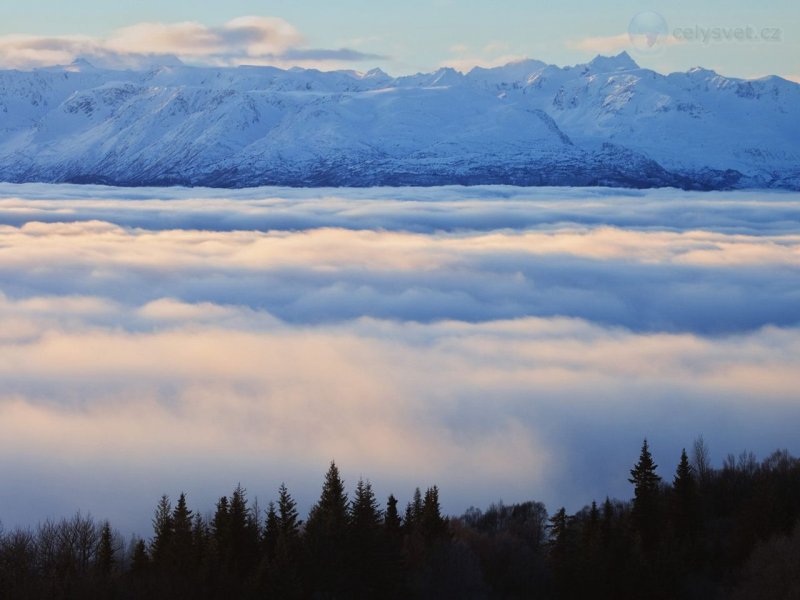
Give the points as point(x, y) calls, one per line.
point(607, 122)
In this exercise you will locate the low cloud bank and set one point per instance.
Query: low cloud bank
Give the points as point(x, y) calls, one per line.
point(172, 394)
point(421, 210)
point(158, 343)
point(645, 280)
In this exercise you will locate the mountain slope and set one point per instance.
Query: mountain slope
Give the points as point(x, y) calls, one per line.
point(607, 122)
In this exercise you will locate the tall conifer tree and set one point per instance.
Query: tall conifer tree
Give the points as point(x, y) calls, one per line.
point(684, 499)
point(646, 482)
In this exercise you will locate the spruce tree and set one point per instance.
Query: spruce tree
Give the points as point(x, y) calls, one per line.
point(329, 516)
point(161, 545)
point(140, 561)
point(590, 557)
point(591, 528)
point(220, 521)
point(365, 539)
point(365, 514)
point(105, 551)
point(646, 482)
point(560, 553)
point(242, 531)
point(413, 513)
point(684, 499)
point(432, 524)
point(326, 536)
point(414, 544)
point(182, 535)
point(220, 533)
point(284, 579)
point(559, 530)
point(200, 541)
point(392, 567)
point(287, 514)
point(272, 527)
point(391, 520)
point(607, 525)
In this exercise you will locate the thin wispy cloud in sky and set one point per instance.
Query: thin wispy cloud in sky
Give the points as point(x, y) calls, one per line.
point(253, 40)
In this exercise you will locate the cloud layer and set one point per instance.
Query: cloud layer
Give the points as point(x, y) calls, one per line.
point(503, 343)
point(420, 210)
point(198, 397)
point(723, 264)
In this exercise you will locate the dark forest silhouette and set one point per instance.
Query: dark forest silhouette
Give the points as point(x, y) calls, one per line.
point(729, 532)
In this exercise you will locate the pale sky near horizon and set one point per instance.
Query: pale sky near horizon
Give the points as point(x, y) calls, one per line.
point(416, 35)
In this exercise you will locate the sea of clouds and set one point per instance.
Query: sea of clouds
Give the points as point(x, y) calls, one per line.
point(504, 343)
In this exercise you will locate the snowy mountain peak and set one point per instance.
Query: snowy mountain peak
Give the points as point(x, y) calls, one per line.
point(607, 122)
point(376, 77)
point(608, 64)
point(520, 71)
point(446, 76)
point(376, 73)
point(80, 65)
point(701, 72)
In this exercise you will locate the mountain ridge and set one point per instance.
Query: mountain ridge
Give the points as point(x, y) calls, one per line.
point(605, 122)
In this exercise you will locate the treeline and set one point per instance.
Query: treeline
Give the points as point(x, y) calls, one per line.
point(708, 533)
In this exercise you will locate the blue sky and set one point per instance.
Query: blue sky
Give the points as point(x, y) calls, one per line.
point(417, 35)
